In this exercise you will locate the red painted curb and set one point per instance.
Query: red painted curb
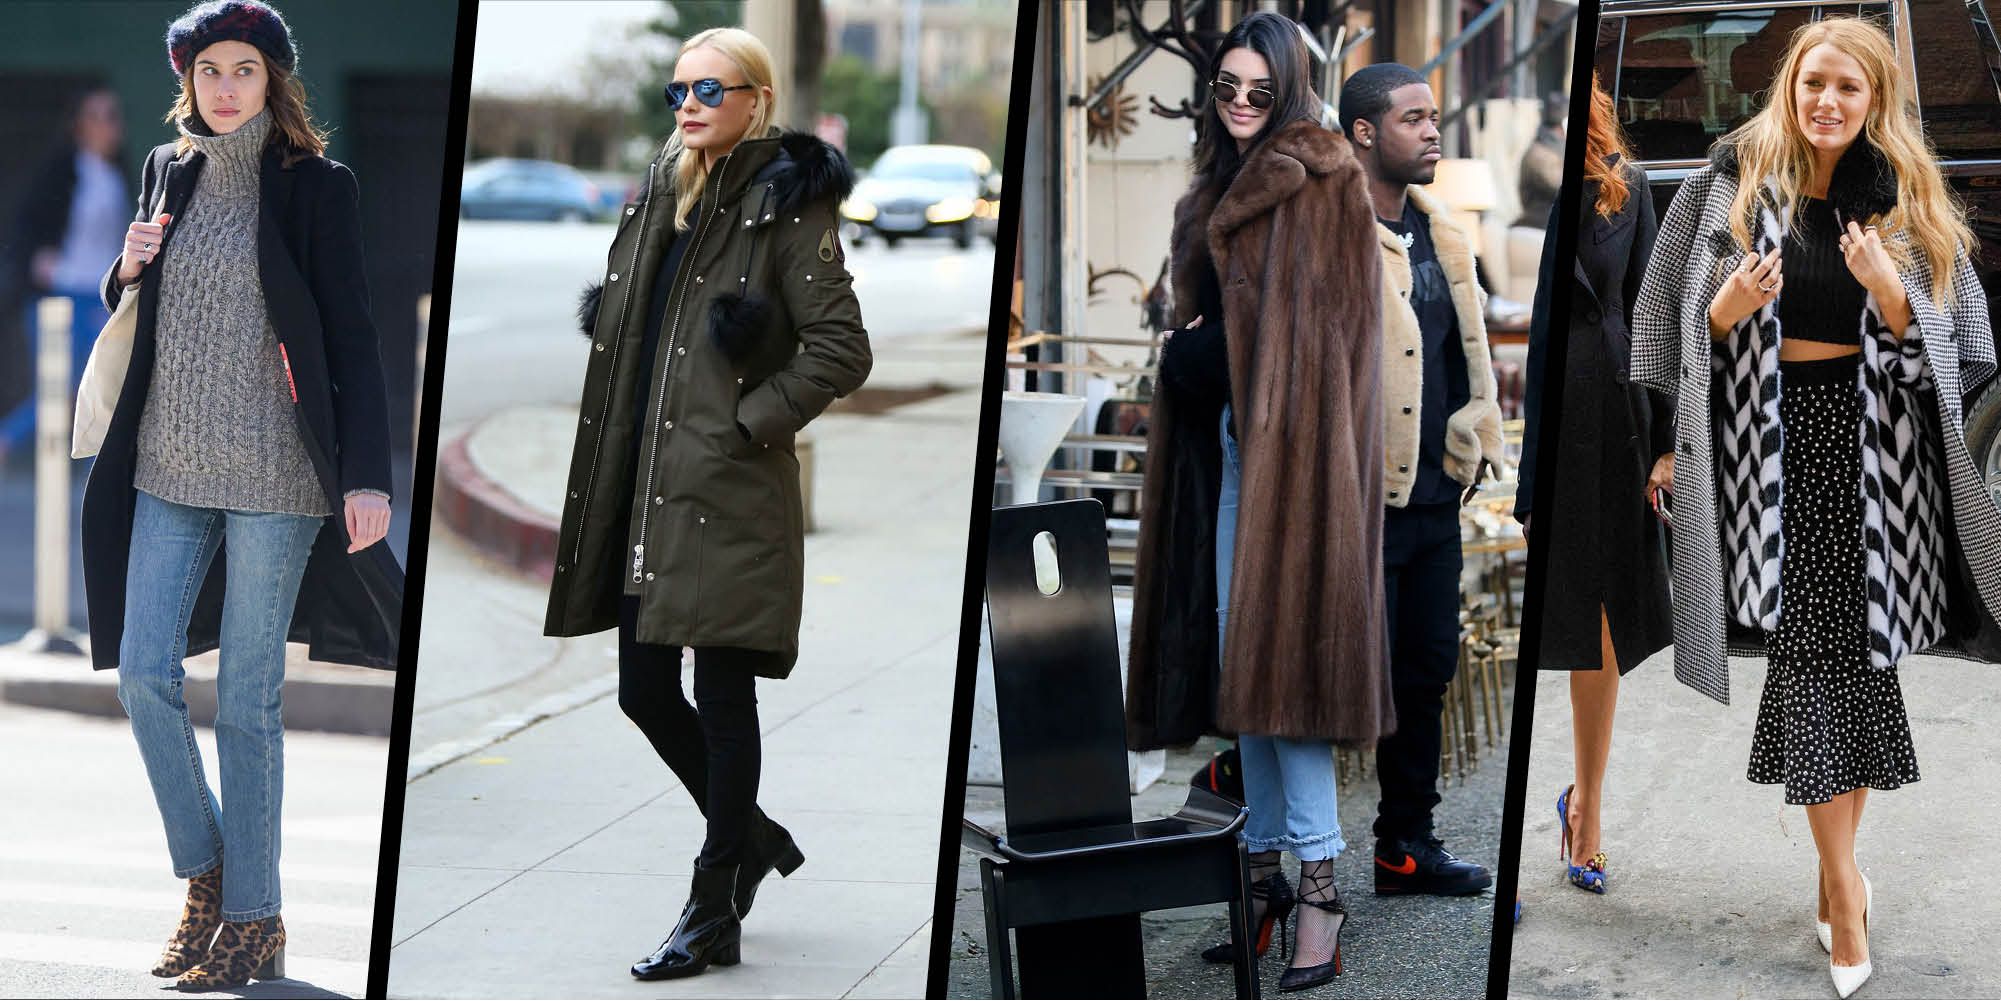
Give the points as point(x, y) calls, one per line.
point(490, 517)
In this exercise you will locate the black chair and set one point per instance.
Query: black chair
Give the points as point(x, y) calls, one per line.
point(1073, 871)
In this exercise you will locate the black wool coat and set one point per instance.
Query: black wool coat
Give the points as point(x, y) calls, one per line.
point(350, 608)
point(1606, 548)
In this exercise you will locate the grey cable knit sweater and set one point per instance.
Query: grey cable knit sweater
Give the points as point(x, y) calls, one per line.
point(219, 428)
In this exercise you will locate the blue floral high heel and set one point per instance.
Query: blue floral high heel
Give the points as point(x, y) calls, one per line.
point(1589, 876)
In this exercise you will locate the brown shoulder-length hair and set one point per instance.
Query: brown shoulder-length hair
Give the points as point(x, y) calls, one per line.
point(1602, 140)
point(292, 128)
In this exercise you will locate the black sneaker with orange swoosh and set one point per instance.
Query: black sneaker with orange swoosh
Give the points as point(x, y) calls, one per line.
point(1422, 865)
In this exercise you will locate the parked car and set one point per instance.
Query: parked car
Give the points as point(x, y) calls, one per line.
point(1684, 72)
point(927, 191)
point(528, 189)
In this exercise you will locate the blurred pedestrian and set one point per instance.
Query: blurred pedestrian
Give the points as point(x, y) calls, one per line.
point(1542, 164)
point(246, 258)
point(1605, 578)
point(1258, 592)
point(726, 322)
point(70, 221)
point(1442, 430)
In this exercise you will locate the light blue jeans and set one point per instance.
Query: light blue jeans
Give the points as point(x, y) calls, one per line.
point(172, 547)
point(1288, 784)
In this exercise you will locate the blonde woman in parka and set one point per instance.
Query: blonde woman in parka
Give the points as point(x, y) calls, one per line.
point(726, 321)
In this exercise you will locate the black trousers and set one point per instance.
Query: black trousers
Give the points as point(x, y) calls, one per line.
point(714, 746)
point(1421, 564)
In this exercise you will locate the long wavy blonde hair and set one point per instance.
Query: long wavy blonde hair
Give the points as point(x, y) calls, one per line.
point(1926, 216)
point(753, 60)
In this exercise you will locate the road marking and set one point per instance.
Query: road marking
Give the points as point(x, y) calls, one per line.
point(439, 755)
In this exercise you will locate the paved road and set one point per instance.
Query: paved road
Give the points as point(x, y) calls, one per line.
point(90, 897)
point(1712, 877)
point(514, 336)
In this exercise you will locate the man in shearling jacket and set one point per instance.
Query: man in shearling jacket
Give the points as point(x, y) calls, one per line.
point(1440, 422)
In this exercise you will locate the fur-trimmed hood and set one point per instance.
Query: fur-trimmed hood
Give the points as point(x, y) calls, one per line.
point(801, 167)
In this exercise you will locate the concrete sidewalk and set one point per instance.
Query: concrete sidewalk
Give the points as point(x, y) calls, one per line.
point(1712, 877)
point(326, 697)
point(540, 826)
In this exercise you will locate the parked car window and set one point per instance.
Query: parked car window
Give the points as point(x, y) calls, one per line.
point(1959, 76)
point(1682, 80)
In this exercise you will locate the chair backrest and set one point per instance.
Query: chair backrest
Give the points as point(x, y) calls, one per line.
point(1056, 671)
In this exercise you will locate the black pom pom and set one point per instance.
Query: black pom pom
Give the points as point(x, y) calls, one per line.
point(587, 308)
point(736, 322)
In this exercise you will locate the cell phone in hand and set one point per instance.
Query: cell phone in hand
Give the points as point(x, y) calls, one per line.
point(1662, 508)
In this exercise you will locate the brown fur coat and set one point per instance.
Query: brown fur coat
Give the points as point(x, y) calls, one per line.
point(1294, 246)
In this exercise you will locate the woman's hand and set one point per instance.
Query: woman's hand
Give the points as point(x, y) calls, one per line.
point(367, 520)
point(1751, 287)
point(142, 244)
point(1662, 475)
point(1168, 334)
point(1862, 250)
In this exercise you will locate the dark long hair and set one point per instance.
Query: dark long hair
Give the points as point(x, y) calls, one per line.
point(1277, 39)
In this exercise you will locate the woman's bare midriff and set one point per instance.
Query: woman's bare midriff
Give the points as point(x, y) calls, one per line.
point(1815, 350)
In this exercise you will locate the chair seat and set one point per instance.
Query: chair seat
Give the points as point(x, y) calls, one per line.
point(1204, 817)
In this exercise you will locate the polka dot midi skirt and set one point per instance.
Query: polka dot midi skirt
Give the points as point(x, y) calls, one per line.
point(1828, 723)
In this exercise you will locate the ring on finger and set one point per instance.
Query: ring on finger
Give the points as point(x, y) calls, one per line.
point(1762, 287)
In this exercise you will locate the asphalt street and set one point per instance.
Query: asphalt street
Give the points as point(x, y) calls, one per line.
point(90, 895)
point(514, 337)
point(1711, 888)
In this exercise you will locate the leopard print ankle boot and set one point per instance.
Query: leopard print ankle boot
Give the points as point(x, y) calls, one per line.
point(199, 920)
point(243, 951)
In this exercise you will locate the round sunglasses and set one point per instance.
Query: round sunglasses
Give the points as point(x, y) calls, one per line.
point(709, 91)
point(1258, 97)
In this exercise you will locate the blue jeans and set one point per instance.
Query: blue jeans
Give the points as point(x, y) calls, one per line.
point(17, 427)
point(172, 547)
point(1288, 784)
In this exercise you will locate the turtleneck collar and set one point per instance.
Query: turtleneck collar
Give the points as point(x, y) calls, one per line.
point(234, 158)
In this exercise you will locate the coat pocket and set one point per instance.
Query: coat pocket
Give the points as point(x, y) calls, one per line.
point(745, 582)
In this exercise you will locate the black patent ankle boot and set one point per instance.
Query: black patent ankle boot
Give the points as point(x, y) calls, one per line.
point(708, 931)
point(771, 847)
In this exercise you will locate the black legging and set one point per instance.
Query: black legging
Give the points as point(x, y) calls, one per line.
point(713, 746)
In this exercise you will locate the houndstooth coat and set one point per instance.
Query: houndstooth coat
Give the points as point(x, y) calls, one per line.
point(1927, 520)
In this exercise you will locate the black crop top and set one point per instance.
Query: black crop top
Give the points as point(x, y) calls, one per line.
point(1822, 301)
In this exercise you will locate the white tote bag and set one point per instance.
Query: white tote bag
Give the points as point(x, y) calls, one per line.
point(104, 373)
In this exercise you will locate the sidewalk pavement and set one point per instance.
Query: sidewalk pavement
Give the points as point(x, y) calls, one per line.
point(91, 897)
point(1391, 947)
point(327, 697)
point(539, 825)
point(1712, 877)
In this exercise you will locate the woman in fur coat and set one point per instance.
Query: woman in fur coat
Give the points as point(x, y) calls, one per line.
point(726, 321)
point(1811, 305)
point(1258, 595)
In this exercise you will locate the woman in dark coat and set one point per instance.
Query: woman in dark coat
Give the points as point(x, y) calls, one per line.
point(726, 321)
point(1604, 579)
point(1258, 594)
point(229, 435)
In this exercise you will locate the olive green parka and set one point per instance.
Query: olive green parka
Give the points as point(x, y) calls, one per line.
point(760, 333)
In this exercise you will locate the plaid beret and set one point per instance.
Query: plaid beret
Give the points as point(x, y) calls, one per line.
point(229, 21)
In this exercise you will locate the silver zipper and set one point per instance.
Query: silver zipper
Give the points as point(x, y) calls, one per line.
point(666, 350)
point(611, 372)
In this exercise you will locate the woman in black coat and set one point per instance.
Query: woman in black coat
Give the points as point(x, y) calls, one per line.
point(251, 423)
point(1604, 578)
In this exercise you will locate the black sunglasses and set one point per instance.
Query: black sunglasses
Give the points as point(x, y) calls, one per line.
point(1259, 97)
point(709, 91)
